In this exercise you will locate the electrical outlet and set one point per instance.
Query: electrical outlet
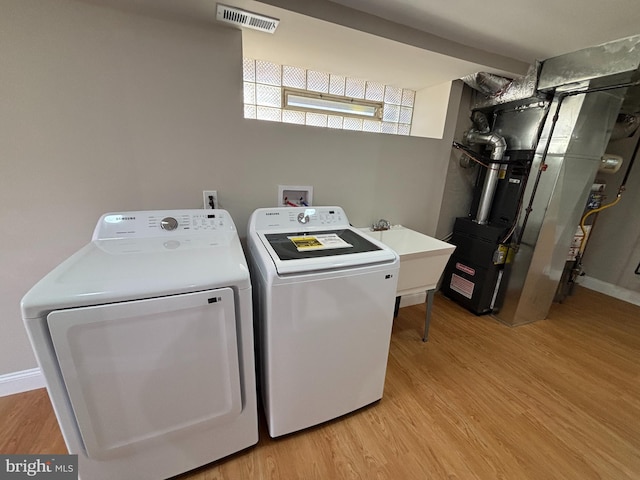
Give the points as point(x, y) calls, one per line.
point(210, 199)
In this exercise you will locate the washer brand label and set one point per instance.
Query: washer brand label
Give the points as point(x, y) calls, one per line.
point(465, 269)
point(45, 467)
point(117, 218)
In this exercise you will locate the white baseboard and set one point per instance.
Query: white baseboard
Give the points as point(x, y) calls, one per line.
point(610, 289)
point(413, 299)
point(18, 382)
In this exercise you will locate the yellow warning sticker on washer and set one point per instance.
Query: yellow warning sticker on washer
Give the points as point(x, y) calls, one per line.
point(305, 243)
point(319, 242)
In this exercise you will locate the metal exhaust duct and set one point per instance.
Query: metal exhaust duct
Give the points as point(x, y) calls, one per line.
point(494, 90)
point(498, 146)
point(488, 84)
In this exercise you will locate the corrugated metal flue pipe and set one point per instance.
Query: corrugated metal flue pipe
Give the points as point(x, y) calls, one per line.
point(487, 83)
point(480, 122)
point(498, 146)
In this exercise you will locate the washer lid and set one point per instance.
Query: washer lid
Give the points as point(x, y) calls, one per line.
point(296, 252)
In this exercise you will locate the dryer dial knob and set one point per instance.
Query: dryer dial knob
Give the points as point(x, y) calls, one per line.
point(169, 223)
point(302, 218)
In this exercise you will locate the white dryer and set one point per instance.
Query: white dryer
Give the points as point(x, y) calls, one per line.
point(145, 340)
point(324, 297)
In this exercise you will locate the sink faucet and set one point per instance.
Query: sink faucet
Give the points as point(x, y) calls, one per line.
point(381, 224)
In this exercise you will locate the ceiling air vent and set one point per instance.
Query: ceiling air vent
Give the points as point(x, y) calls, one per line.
point(243, 18)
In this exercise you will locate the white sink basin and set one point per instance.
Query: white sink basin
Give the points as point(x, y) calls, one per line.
point(422, 258)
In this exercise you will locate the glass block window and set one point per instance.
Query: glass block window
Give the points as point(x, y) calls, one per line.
point(317, 81)
point(294, 77)
point(393, 95)
point(249, 70)
point(270, 114)
point(292, 116)
point(268, 95)
point(336, 84)
point(268, 73)
point(264, 83)
point(355, 88)
point(351, 123)
point(374, 91)
point(371, 125)
point(335, 121)
point(316, 119)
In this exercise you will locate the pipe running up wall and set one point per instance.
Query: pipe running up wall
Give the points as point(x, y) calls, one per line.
point(499, 146)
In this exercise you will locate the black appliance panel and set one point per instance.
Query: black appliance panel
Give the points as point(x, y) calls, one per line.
point(471, 276)
point(286, 249)
point(470, 285)
point(510, 188)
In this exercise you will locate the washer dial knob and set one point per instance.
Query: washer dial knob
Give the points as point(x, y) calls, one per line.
point(169, 223)
point(302, 218)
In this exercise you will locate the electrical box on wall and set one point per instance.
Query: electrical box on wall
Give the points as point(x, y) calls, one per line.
point(295, 196)
point(210, 199)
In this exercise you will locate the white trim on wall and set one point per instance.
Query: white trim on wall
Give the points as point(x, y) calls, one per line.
point(610, 289)
point(18, 382)
point(413, 299)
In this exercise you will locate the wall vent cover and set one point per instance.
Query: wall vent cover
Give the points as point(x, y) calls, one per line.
point(243, 18)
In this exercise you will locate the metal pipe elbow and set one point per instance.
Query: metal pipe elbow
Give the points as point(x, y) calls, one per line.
point(499, 146)
point(497, 142)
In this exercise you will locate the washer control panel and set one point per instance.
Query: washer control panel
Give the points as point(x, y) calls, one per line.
point(282, 218)
point(169, 223)
point(161, 223)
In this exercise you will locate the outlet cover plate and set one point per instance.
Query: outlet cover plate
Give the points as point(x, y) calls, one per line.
point(206, 200)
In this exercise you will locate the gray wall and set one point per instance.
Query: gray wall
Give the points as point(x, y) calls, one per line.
point(104, 110)
point(458, 189)
point(613, 251)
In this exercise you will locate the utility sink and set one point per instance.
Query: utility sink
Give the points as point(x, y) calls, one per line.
point(422, 261)
point(422, 258)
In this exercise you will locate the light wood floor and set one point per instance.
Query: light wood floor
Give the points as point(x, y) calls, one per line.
point(558, 399)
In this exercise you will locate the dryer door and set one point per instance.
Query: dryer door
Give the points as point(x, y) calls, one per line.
point(142, 371)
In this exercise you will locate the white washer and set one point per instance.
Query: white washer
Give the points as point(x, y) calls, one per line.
point(324, 314)
point(145, 340)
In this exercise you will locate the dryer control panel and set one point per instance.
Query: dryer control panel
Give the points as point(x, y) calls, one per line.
point(161, 223)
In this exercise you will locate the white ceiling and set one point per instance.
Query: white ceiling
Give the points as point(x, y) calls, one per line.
point(415, 43)
point(320, 45)
point(526, 30)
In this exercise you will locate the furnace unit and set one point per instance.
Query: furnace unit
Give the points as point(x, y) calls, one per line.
point(508, 134)
point(564, 111)
point(476, 269)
